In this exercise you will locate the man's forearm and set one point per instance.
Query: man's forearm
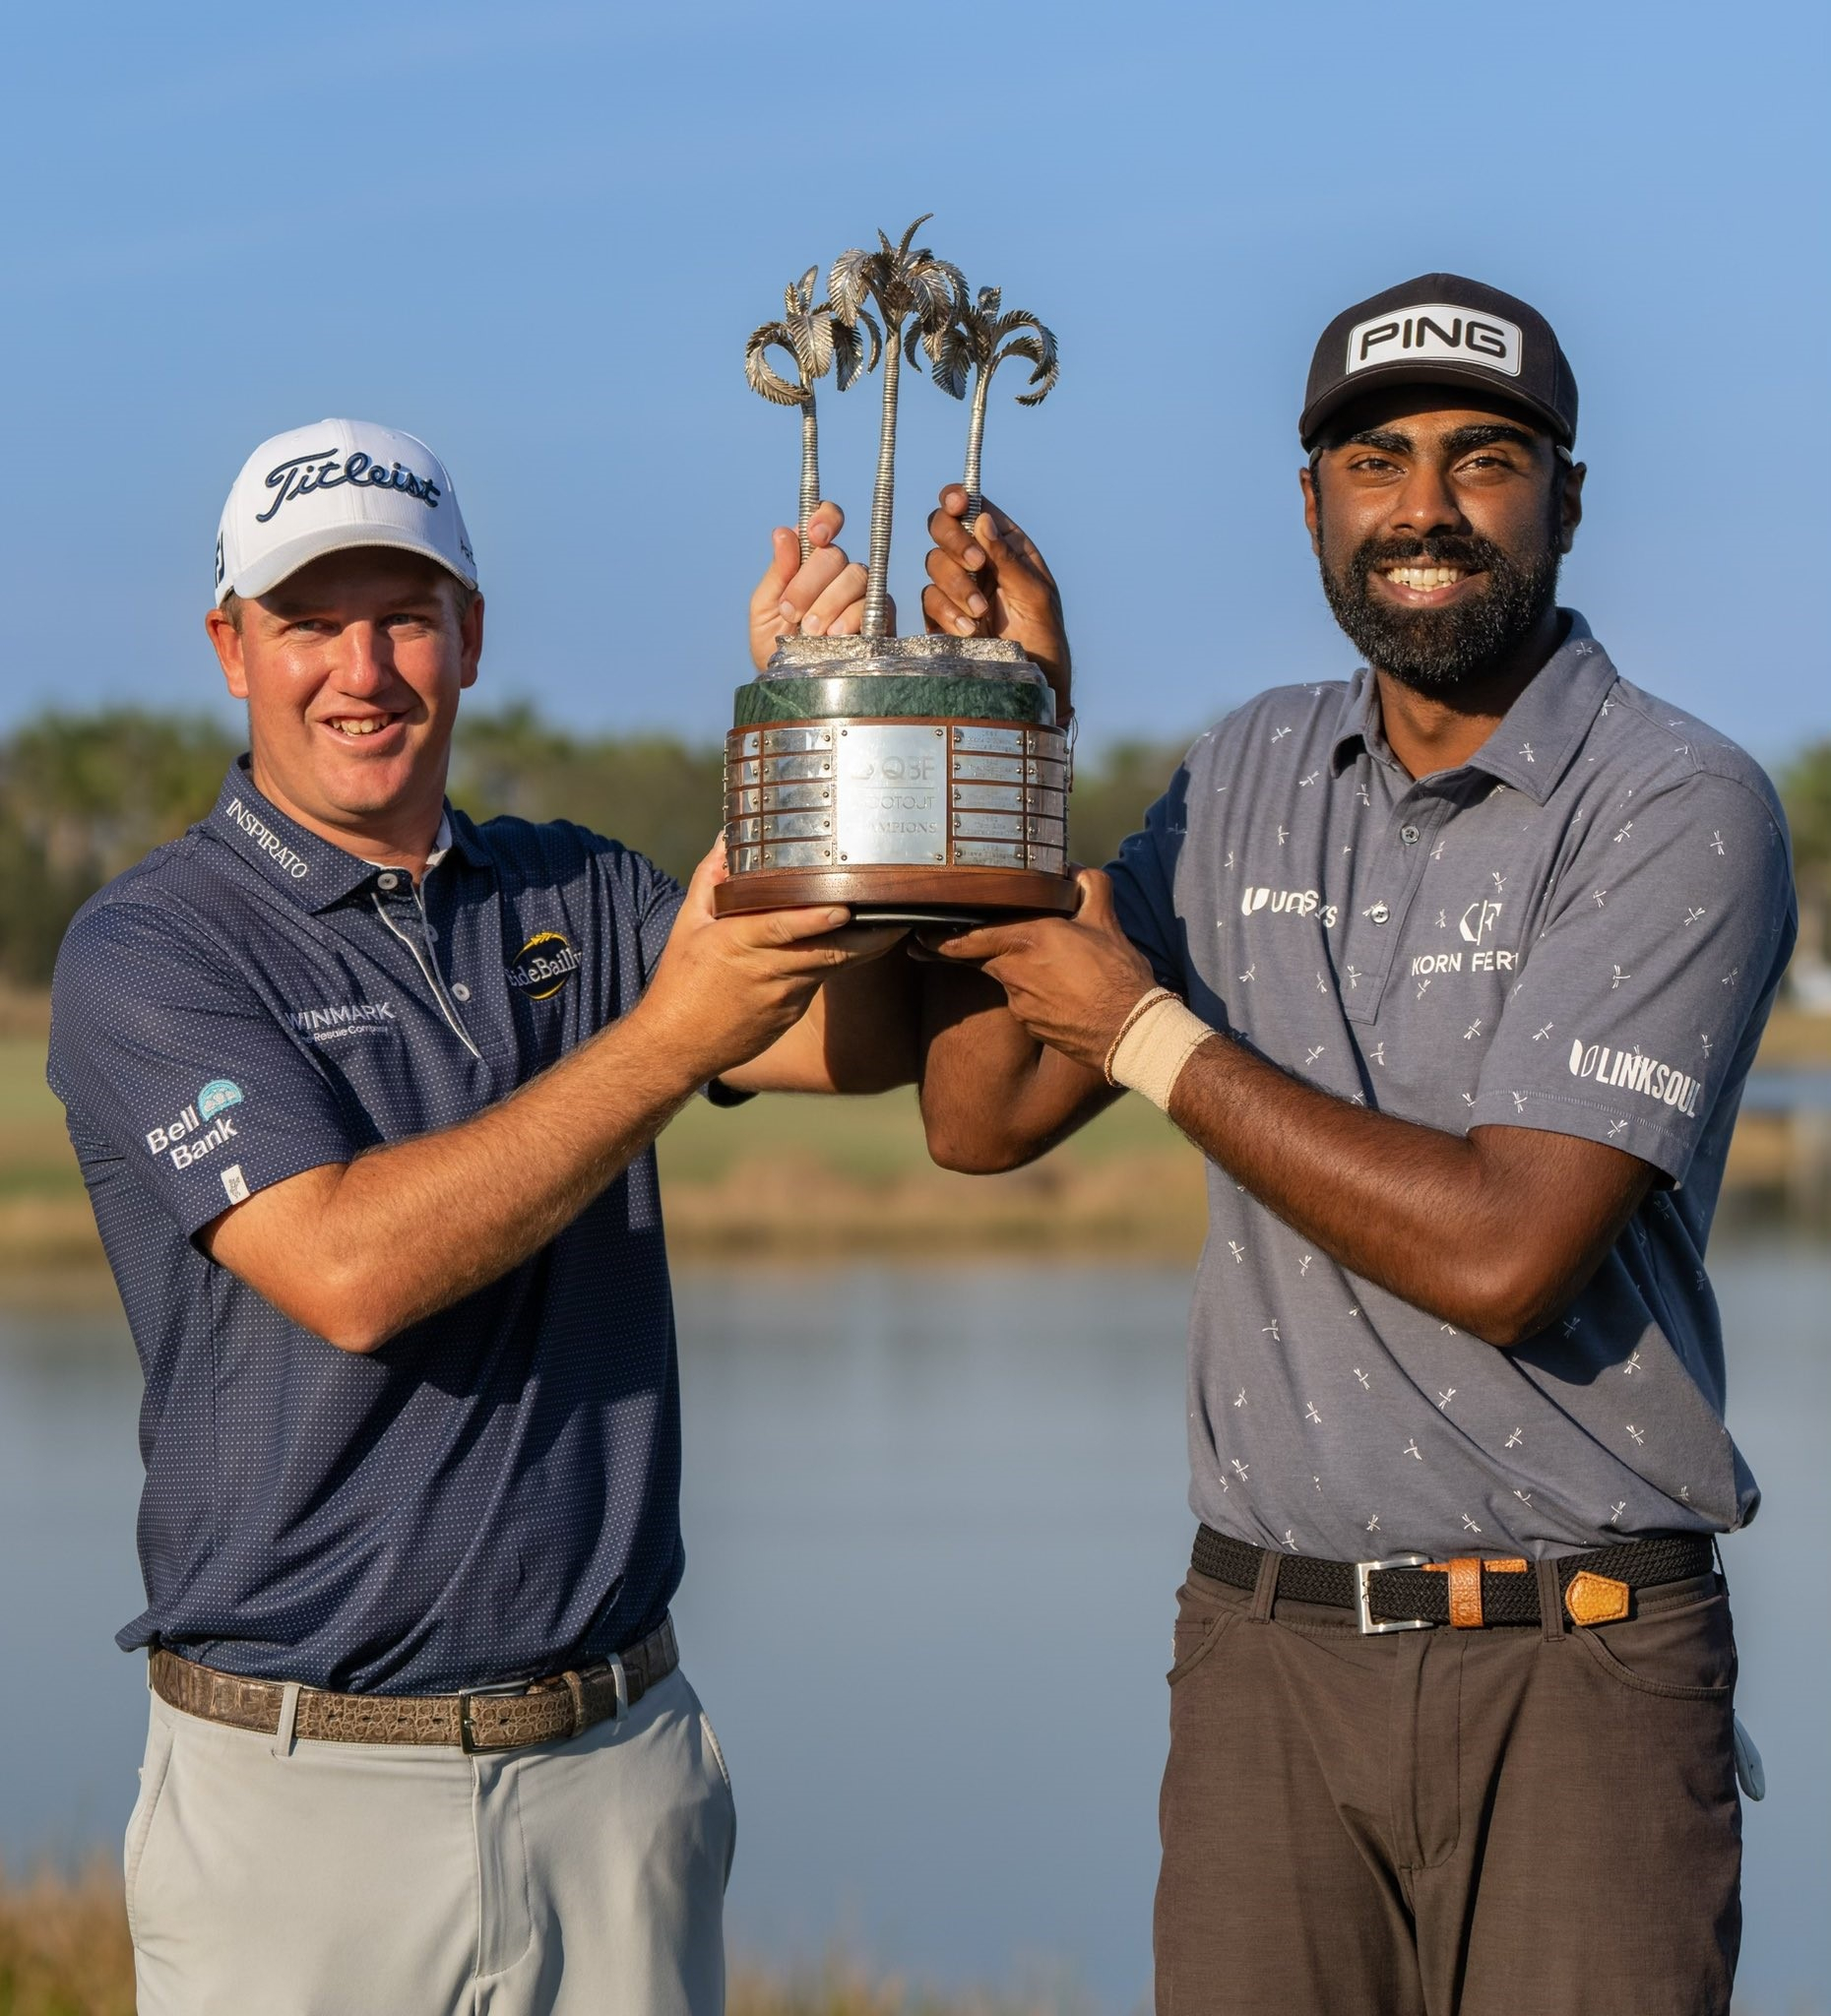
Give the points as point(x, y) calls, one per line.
point(992, 1096)
point(858, 1035)
point(1433, 1218)
point(364, 1249)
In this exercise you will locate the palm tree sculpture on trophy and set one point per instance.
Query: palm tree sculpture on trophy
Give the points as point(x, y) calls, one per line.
point(819, 342)
point(971, 342)
point(902, 284)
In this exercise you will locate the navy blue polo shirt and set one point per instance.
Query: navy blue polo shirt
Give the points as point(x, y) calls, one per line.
point(494, 1492)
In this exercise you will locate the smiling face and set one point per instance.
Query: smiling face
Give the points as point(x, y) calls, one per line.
point(1439, 532)
point(351, 670)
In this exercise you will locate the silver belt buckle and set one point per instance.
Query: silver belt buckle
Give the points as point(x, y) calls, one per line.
point(1363, 1597)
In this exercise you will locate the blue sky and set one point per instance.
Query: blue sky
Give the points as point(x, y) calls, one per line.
point(538, 237)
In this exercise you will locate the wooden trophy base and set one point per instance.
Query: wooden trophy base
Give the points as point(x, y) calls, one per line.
point(906, 895)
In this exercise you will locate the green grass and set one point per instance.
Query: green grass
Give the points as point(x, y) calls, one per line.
point(64, 1952)
point(801, 1176)
point(868, 1140)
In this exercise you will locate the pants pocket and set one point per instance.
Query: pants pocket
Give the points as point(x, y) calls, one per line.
point(1202, 1622)
point(715, 1752)
point(153, 1770)
point(1683, 1654)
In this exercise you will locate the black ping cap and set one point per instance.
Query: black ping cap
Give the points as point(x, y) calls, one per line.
point(1442, 329)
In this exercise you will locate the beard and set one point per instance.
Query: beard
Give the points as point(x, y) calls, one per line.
point(1437, 651)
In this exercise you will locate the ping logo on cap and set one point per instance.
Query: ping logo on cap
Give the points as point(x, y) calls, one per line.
point(1437, 330)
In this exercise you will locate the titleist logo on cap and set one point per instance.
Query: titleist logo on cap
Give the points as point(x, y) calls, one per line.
point(320, 470)
point(1438, 331)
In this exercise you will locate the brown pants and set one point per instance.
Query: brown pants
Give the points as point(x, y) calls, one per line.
point(1518, 1821)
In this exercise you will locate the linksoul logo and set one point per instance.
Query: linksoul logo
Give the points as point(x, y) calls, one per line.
point(1635, 1071)
point(320, 470)
point(543, 966)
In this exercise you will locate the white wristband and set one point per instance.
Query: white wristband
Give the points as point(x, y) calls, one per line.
point(1156, 1044)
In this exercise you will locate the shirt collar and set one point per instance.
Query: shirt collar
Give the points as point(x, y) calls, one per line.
point(1538, 737)
point(310, 870)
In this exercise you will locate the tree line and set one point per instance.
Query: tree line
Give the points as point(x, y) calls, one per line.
point(84, 795)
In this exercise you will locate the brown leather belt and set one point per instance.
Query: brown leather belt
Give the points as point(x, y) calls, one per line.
point(1411, 1592)
point(544, 1711)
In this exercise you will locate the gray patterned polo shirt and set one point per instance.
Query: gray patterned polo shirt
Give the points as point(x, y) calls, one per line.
point(1581, 929)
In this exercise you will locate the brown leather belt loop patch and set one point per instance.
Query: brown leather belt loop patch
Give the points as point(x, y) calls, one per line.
point(1465, 1593)
point(1465, 1574)
point(1595, 1598)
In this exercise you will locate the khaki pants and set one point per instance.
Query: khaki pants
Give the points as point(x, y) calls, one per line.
point(336, 1879)
point(1520, 1821)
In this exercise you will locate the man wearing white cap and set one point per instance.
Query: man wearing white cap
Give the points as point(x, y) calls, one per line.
point(364, 1094)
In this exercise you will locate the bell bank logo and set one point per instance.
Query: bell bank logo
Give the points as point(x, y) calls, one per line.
point(543, 966)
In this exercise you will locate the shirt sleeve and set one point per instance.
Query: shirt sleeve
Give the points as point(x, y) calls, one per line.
point(1640, 1001)
point(1144, 878)
point(172, 1057)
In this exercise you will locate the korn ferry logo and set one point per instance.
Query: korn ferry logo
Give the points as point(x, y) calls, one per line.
point(1635, 1071)
point(543, 966)
point(1477, 926)
point(1296, 902)
point(204, 1126)
point(1435, 330)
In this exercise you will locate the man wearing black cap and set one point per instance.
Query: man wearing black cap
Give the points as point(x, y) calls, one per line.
point(1453, 971)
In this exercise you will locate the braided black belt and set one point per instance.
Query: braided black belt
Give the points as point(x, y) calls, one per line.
point(543, 1711)
point(1419, 1595)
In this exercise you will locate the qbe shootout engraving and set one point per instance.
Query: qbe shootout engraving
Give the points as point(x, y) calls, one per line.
point(903, 775)
point(892, 793)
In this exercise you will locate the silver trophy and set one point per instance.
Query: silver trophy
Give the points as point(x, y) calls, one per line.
point(908, 776)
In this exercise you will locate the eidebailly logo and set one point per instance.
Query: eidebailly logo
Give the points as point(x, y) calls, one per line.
point(543, 966)
point(1635, 1071)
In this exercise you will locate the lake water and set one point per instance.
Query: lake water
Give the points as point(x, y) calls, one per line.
point(935, 1522)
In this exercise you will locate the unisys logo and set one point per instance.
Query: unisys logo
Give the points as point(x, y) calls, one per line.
point(1635, 1071)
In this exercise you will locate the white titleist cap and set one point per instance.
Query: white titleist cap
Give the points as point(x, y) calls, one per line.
point(341, 483)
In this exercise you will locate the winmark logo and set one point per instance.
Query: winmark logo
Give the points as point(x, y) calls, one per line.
point(1434, 329)
point(267, 840)
point(355, 1018)
point(1297, 903)
point(1635, 1071)
point(543, 966)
